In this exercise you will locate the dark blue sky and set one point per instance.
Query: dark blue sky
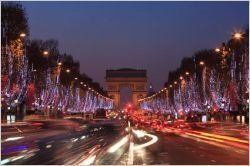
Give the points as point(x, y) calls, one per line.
point(142, 35)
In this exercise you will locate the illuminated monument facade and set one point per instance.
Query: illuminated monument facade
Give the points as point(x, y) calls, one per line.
point(135, 79)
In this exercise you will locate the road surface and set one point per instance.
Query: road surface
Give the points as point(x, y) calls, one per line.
point(116, 144)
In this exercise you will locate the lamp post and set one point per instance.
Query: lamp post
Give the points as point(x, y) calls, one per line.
point(181, 93)
point(238, 37)
point(17, 110)
point(205, 102)
point(22, 110)
point(202, 64)
point(187, 88)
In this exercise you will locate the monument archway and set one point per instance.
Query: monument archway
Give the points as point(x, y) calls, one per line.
point(135, 79)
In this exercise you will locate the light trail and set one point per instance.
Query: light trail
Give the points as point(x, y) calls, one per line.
point(131, 154)
point(227, 140)
point(116, 146)
point(222, 137)
point(200, 136)
point(13, 138)
point(140, 134)
point(211, 136)
point(89, 160)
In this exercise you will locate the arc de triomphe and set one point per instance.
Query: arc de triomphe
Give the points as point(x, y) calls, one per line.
point(135, 79)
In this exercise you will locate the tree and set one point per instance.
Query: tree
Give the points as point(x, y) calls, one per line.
point(14, 21)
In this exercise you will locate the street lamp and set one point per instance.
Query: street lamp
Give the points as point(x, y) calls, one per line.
point(170, 86)
point(67, 70)
point(45, 53)
point(175, 82)
point(237, 35)
point(76, 78)
point(181, 77)
point(81, 83)
point(16, 101)
point(187, 73)
point(59, 63)
point(217, 50)
point(202, 63)
point(22, 35)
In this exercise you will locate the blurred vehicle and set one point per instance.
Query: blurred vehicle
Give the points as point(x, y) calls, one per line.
point(168, 123)
point(180, 123)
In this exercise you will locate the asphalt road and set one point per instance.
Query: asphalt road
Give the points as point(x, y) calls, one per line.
point(110, 144)
point(177, 150)
point(56, 143)
point(173, 149)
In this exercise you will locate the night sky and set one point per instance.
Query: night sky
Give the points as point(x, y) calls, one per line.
point(144, 35)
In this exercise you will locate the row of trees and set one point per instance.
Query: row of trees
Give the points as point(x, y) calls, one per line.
point(35, 74)
point(215, 79)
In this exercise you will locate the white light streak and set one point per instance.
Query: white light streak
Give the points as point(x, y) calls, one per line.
point(131, 154)
point(116, 146)
point(139, 133)
point(152, 141)
point(5, 161)
point(18, 157)
point(89, 160)
point(13, 138)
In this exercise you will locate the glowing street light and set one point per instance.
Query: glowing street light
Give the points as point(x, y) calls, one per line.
point(181, 77)
point(81, 83)
point(45, 53)
point(16, 101)
point(67, 70)
point(76, 78)
point(170, 86)
point(175, 82)
point(59, 63)
point(202, 63)
point(237, 35)
point(129, 105)
point(22, 35)
point(187, 73)
point(217, 50)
